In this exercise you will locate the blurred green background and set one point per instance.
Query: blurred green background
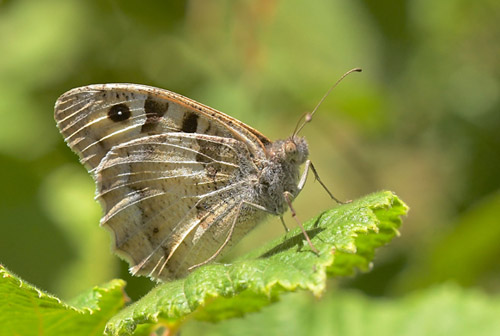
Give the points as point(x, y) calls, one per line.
point(422, 119)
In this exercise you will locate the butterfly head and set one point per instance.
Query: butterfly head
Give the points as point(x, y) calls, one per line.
point(293, 150)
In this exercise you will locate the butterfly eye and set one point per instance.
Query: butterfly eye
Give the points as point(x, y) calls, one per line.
point(119, 112)
point(290, 147)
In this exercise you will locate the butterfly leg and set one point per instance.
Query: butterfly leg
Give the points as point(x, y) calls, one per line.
point(284, 225)
point(288, 197)
point(303, 179)
point(230, 233)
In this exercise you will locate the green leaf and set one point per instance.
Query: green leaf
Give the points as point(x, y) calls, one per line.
point(26, 310)
point(346, 238)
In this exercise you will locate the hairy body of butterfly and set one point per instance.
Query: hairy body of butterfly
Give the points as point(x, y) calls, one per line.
point(177, 180)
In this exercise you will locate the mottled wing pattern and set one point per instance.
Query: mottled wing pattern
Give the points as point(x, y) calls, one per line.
point(170, 198)
point(95, 118)
point(170, 172)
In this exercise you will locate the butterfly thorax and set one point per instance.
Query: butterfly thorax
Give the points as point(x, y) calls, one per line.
point(281, 174)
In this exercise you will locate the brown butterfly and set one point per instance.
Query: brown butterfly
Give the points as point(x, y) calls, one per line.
point(178, 181)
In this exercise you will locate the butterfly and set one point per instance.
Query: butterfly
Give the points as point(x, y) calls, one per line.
point(178, 181)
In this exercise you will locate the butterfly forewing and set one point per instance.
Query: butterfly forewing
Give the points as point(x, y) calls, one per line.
point(95, 118)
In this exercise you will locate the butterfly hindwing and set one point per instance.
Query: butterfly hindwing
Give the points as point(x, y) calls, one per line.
point(162, 193)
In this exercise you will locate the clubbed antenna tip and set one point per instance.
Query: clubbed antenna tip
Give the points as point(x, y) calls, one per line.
point(308, 116)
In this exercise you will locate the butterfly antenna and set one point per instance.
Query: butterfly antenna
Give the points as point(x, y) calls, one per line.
point(307, 117)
